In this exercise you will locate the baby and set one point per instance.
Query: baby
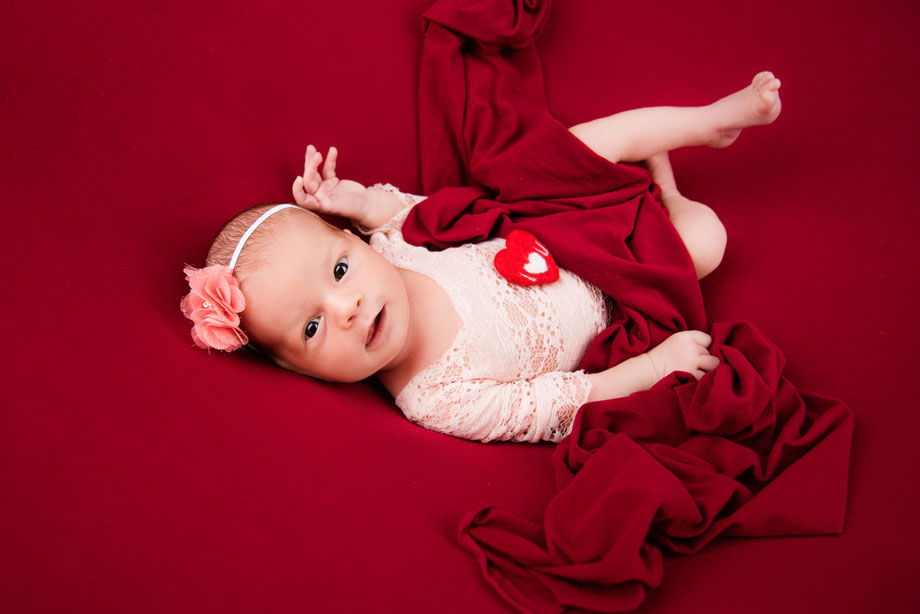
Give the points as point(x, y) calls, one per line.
point(463, 350)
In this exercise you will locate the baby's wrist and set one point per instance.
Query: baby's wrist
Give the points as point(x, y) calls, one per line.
point(651, 369)
point(366, 218)
point(380, 206)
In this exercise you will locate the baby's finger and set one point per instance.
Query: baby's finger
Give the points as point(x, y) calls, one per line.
point(708, 363)
point(298, 191)
point(307, 201)
point(307, 158)
point(301, 197)
point(324, 203)
point(701, 338)
point(312, 181)
point(329, 166)
point(310, 176)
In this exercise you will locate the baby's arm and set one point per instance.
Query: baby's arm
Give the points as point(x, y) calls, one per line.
point(543, 407)
point(539, 408)
point(684, 351)
point(326, 193)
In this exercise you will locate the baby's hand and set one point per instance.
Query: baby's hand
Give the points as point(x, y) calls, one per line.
point(685, 351)
point(327, 193)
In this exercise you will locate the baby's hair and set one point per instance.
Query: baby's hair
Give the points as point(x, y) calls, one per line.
point(225, 242)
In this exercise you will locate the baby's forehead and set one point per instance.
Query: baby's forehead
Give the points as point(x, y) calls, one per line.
point(284, 268)
point(305, 220)
point(303, 231)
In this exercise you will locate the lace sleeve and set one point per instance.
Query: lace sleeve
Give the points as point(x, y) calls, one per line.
point(535, 409)
point(394, 223)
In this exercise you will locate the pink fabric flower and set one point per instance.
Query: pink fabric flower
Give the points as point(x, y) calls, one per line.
point(214, 305)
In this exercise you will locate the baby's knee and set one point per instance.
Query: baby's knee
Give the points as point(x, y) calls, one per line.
point(703, 234)
point(711, 242)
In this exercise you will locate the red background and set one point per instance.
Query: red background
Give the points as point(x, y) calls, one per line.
point(139, 474)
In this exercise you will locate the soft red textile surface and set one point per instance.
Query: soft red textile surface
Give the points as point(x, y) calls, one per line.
point(140, 474)
point(738, 453)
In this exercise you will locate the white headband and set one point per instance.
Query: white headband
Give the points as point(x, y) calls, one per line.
point(252, 229)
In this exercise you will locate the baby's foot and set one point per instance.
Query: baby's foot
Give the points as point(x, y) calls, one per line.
point(756, 105)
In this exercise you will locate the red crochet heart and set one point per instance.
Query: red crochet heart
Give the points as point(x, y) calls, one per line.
point(525, 261)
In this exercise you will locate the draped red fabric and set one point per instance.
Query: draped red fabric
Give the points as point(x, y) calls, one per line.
point(740, 452)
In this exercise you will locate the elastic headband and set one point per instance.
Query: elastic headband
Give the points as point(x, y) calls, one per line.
point(252, 229)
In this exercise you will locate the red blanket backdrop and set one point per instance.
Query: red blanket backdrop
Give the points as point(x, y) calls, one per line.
point(140, 474)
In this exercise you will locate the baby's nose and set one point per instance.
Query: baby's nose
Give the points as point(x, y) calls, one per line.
point(346, 308)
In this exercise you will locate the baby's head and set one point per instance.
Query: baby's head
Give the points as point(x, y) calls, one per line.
point(316, 299)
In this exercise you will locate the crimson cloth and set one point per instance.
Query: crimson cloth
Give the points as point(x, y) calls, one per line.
point(740, 452)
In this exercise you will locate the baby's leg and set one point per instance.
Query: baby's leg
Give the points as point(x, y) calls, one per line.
point(698, 226)
point(632, 136)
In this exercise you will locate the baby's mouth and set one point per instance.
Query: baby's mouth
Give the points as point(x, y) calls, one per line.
point(373, 333)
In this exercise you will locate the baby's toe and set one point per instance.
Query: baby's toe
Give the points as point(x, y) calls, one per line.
point(770, 93)
point(761, 78)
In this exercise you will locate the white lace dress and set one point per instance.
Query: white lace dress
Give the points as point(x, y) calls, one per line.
point(509, 372)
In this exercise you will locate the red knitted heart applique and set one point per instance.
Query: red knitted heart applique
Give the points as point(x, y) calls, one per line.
point(525, 261)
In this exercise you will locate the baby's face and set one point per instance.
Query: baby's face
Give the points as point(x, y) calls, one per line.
point(325, 304)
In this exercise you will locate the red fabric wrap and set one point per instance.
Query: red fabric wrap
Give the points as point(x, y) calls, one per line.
point(741, 452)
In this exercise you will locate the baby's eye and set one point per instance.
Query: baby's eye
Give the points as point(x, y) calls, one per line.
point(340, 268)
point(312, 327)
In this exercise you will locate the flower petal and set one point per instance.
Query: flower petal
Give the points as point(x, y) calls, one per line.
point(213, 304)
